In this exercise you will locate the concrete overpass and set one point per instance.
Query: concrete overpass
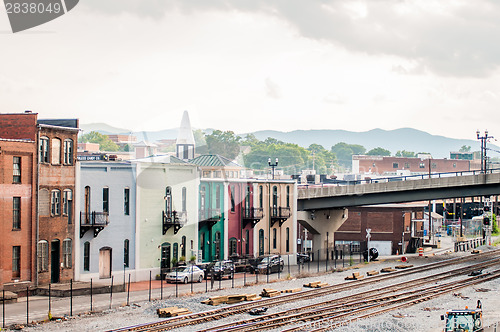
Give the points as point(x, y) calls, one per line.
point(407, 189)
point(322, 209)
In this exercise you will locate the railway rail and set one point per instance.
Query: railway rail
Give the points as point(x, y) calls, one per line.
point(487, 259)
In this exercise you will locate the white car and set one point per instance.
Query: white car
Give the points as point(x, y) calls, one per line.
point(185, 274)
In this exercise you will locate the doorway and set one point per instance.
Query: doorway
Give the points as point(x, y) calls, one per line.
point(165, 255)
point(105, 263)
point(54, 261)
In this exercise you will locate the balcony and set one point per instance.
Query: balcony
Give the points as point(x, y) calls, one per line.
point(173, 219)
point(252, 215)
point(93, 220)
point(280, 214)
point(209, 216)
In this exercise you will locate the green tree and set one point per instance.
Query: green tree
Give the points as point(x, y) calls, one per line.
point(105, 143)
point(405, 154)
point(322, 158)
point(224, 143)
point(465, 148)
point(344, 152)
point(379, 152)
point(200, 143)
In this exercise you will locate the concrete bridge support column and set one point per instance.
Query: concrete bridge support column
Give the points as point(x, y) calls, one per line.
point(322, 224)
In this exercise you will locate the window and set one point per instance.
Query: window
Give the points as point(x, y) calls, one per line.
point(126, 201)
point(55, 203)
point(176, 251)
point(217, 197)
point(247, 241)
point(126, 253)
point(274, 238)
point(44, 202)
point(105, 199)
point(16, 213)
point(407, 165)
point(202, 198)
point(86, 256)
point(67, 253)
point(434, 165)
point(421, 165)
point(261, 197)
point(68, 152)
point(206, 174)
point(395, 165)
point(43, 256)
point(454, 165)
point(275, 201)
point(261, 242)
point(168, 202)
point(183, 246)
point(231, 193)
point(16, 170)
point(202, 245)
point(44, 149)
point(56, 151)
point(288, 196)
point(233, 247)
point(287, 239)
point(184, 199)
point(217, 245)
point(16, 261)
point(68, 204)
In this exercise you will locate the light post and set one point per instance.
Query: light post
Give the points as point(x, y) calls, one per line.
point(272, 165)
point(483, 139)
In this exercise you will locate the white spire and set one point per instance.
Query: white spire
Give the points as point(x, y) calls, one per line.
point(185, 135)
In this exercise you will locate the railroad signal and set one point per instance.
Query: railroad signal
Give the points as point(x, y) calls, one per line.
point(486, 208)
point(486, 221)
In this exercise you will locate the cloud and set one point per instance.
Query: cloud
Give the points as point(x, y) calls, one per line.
point(335, 98)
point(449, 38)
point(272, 89)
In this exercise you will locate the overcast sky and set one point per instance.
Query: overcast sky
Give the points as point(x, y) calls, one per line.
point(247, 65)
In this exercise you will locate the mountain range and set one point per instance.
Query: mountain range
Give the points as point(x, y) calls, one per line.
point(408, 139)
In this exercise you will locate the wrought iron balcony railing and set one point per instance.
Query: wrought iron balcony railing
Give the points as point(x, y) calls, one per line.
point(93, 220)
point(173, 219)
point(280, 214)
point(252, 214)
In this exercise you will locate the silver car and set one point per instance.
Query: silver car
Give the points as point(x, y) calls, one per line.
point(185, 274)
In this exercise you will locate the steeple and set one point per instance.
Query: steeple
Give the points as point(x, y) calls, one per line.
point(185, 139)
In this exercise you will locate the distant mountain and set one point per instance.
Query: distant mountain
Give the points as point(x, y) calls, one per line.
point(393, 140)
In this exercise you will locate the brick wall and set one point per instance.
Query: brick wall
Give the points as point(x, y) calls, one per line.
point(18, 126)
point(380, 165)
point(25, 236)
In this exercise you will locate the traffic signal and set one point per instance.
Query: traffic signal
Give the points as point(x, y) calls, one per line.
point(486, 208)
point(486, 221)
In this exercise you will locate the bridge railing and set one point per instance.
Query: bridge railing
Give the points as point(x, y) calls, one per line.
point(410, 177)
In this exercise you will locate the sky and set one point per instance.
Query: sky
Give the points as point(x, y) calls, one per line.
point(248, 65)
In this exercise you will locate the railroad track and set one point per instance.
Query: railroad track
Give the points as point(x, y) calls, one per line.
point(206, 316)
point(367, 300)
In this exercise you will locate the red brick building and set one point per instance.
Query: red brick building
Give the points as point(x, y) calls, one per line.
point(17, 213)
point(51, 165)
point(380, 165)
point(388, 223)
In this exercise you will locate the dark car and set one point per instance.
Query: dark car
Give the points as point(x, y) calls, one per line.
point(270, 264)
point(220, 269)
point(303, 258)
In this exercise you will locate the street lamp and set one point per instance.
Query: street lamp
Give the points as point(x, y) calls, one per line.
point(272, 165)
point(483, 139)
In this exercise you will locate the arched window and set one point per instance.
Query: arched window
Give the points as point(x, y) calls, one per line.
point(274, 238)
point(183, 246)
point(275, 201)
point(288, 196)
point(44, 202)
point(287, 239)
point(68, 204)
point(68, 152)
point(202, 199)
point(56, 151)
point(261, 242)
point(233, 247)
point(168, 202)
point(43, 149)
point(55, 202)
point(126, 248)
point(184, 199)
point(67, 253)
point(261, 197)
point(231, 195)
point(86, 256)
point(43, 256)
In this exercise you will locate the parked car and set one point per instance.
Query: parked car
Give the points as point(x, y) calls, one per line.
point(185, 274)
point(303, 258)
point(223, 268)
point(270, 264)
point(219, 269)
